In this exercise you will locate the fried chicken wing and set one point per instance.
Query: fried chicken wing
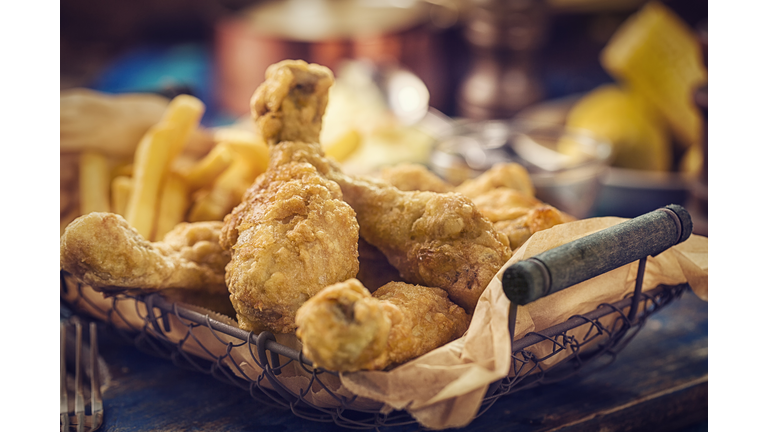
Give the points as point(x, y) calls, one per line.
point(104, 251)
point(292, 235)
point(345, 328)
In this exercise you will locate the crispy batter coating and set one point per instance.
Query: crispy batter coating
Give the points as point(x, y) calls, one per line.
point(504, 204)
point(103, 251)
point(507, 175)
point(433, 239)
point(290, 104)
point(504, 194)
point(290, 237)
point(430, 319)
point(344, 328)
point(533, 220)
point(414, 177)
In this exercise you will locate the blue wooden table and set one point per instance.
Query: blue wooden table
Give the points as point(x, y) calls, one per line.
point(658, 382)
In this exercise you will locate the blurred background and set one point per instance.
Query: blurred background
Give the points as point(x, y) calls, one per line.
point(626, 74)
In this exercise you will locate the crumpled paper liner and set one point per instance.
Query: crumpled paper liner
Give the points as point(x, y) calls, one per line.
point(445, 387)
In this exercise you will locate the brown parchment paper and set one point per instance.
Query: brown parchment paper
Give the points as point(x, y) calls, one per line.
point(445, 387)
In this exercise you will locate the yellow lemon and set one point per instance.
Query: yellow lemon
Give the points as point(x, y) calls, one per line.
point(624, 119)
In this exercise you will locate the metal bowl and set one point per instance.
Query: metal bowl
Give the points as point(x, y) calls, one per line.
point(569, 181)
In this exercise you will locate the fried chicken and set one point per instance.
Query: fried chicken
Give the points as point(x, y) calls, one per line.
point(505, 175)
point(344, 328)
point(105, 252)
point(504, 194)
point(531, 221)
point(292, 235)
point(433, 239)
point(289, 105)
point(514, 212)
point(503, 204)
point(414, 177)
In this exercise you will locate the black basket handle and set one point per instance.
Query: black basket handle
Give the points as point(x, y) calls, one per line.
point(595, 254)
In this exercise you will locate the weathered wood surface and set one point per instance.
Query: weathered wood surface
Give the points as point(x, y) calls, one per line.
point(658, 382)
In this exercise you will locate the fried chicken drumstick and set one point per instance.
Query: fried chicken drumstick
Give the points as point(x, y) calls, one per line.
point(433, 239)
point(103, 251)
point(344, 328)
point(292, 235)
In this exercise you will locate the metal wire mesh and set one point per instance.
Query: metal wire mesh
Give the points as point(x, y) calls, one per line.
point(582, 343)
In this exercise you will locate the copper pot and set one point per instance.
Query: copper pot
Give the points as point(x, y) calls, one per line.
point(324, 32)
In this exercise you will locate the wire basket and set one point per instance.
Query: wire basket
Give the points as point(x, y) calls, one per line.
point(592, 341)
point(195, 339)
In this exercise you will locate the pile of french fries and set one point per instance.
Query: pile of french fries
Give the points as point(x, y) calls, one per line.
point(163, 185)
point(169, 176)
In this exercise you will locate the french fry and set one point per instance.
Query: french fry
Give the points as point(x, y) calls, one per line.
point(152, 161)
point(121, 191)
point(94, 182)
point(227, 191)
point(174, 202)
point(249, 157)
point(205, 171)
point(247, 145)
point(124, 169)
point(184, 113)
point(153, 156)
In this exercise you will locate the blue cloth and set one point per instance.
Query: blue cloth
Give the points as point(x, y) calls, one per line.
point(168, 70)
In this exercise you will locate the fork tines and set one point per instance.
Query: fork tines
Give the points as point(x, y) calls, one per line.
point(63, 380)
point(97, 409)
point(82, 421)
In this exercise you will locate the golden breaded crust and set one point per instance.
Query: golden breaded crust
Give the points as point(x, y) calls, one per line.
point(103, 251)
point(290, 237)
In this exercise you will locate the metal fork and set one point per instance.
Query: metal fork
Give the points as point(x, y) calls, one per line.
point(78, 418)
